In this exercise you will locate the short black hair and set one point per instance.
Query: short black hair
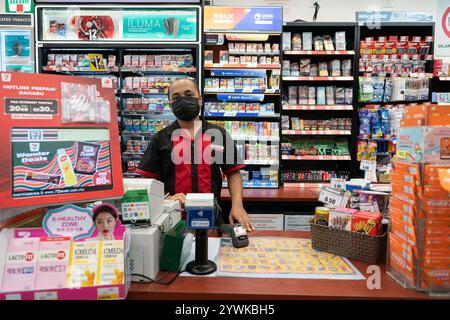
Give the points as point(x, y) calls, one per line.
point(104, 208)
point(189, 79)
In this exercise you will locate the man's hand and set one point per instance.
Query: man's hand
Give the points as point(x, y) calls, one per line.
point(239, 214)
point(178, 196)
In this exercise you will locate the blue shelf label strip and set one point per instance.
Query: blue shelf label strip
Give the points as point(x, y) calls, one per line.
point(240, 97)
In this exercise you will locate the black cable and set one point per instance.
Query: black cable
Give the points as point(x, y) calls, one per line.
point(316, 10)
point(150, 280)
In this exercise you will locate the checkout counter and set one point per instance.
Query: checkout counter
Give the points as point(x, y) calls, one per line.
point(146, 249)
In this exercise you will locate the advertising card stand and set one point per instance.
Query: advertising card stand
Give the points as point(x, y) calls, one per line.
point(66, 259)
point(59, 140)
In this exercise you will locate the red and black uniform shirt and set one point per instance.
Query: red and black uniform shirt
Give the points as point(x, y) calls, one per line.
point(207, 159)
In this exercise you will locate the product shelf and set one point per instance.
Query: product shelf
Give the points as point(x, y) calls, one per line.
point(316, 132)
point(307, 78)
point(444, 78)
point(292, 157)
point(237, 53)
point(261, 162)
point(242, 66)
point(137, 134)
point(241, 115)
point(316, 107)
point(319, 52)
point(256, 138)
point(306, 184)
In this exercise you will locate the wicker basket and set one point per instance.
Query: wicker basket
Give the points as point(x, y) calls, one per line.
point(371, 249)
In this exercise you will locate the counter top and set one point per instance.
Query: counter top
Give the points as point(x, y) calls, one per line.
point(208, 288)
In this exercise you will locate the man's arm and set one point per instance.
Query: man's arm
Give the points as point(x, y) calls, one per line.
point(237, 207)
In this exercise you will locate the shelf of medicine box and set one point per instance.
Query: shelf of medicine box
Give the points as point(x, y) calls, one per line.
point(261, 162)
point(308, 78)
point(247, 91)
point(319, 52)
point(237, 53)
point(209, 114)
point(317, 107)
point(316, 132)
point(256, 138)
point(305, 184)
point(247, 184)
point(242, 66)
point(325, 157)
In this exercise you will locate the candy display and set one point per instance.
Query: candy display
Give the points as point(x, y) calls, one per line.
point(315, 146)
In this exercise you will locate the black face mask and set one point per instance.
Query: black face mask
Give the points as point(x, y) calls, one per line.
point(186, 108)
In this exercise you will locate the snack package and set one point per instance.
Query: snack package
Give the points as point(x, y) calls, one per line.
point(364, 123)
point(87, 156)
point(384, 115)
point(367, 223)
point(375, 124)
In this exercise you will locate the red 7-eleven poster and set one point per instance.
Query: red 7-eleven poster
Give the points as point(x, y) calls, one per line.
point(59, 140)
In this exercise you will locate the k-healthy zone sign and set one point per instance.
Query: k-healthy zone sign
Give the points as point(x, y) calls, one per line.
point(19, 6)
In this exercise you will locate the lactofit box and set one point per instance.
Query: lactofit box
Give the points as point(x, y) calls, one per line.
point(53, 263)
point(20, 266)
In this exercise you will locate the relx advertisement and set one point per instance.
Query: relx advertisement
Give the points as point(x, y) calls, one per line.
point(59, 143)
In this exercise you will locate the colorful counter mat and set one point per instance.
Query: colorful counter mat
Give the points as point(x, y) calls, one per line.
point(277, 257)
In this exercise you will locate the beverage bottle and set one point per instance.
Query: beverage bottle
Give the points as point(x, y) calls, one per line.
point(66, 168)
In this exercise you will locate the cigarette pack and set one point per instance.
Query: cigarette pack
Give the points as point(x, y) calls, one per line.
point(307, 40)
point(53, 263)
point(209, 57)
point(286, 41)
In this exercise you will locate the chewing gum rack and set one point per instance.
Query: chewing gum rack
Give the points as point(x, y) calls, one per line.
point(419, 233)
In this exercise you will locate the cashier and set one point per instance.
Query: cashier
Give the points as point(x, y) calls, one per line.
point(188, 165)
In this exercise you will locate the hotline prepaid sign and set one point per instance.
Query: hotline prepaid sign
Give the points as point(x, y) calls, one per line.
point(59, 140)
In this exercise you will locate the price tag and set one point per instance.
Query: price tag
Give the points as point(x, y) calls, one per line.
point(270, 90)
point(367, 207)
point(108, 293)
point(50, 295)
point(333, 197)
point(247, 90)
point(367, 165)
point(13, 296)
